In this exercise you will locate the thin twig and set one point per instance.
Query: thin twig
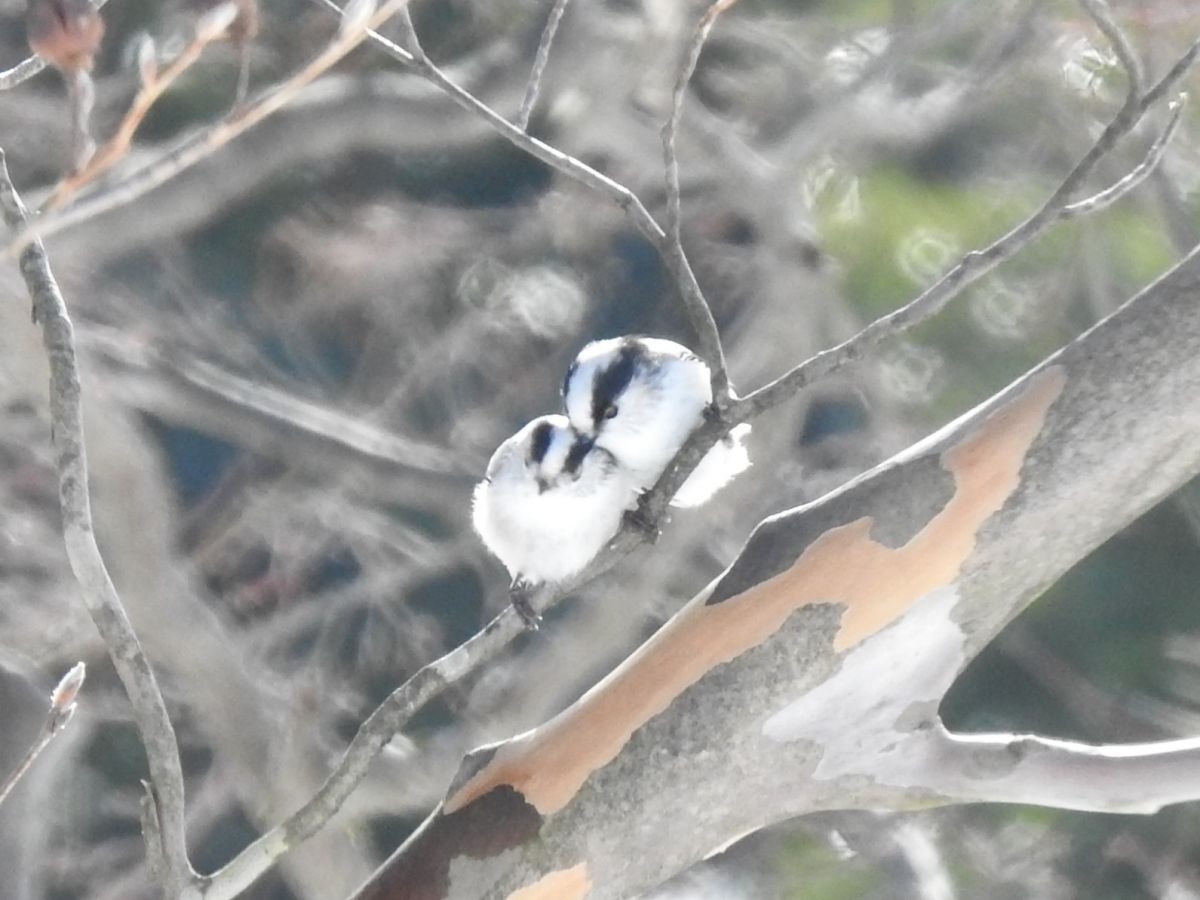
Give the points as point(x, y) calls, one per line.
point(81, 92)
point(28, 67)
point(970, 268)
point(62, 708)
point(1101, 15)
point(539, 64)
point(570, 167)
point(116, 148)
point(379, 728)
point(96, 587)
point(1136, 176)
point(408, 31)
point(698, 311)
point(200, 146)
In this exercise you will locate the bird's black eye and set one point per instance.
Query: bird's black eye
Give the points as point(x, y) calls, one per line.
point(611, 411)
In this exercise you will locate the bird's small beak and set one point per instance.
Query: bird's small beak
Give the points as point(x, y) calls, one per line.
point(543, 485)
point(582, 446)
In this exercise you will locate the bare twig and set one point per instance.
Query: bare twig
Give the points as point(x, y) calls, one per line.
point(539, 64)
point(62, 707)
point(379, 728)
point(1137, 175)
point(244, 399)
point(29, 66)
point(407, 31)
point(211, 27)
point(1115, 778)
point(698, 310)
point(81, 91)
point(96, 587)
point(578, 171)
point(972, 266)
point(1099, 13)
point(200, 146)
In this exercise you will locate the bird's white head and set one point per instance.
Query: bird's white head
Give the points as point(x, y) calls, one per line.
point(637, 397)
point(545, 452)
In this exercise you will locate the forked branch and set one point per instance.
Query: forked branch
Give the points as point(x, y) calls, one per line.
point(96, 587)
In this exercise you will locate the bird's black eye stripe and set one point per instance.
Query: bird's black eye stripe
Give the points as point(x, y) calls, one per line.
point(578, 451)
point(610, 383)
point(539, 442)
point(567, 378)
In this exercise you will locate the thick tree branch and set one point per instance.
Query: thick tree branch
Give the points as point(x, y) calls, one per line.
point(96, 587)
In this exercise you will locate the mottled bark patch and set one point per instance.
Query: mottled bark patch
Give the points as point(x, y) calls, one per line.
point(420, 870)
point(565, 884)
point(904, 501)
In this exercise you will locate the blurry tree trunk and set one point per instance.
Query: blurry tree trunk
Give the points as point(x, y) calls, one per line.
point(807, 677)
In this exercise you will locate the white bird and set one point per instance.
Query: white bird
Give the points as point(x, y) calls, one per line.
point(640, 398)
point(550, 501)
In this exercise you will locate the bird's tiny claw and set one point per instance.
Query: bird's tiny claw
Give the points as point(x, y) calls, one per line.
point(640, 520)
point(523, 608)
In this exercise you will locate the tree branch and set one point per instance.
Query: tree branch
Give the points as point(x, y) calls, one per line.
point(539, 63)
point(62, 708)
point(1101, 15)
point(211, 27)
point(1028, 768)
point(372, 736)
point(203, 144)
point(96, 587)
point(698, 311)
point(972, 266)
point(1137, 175)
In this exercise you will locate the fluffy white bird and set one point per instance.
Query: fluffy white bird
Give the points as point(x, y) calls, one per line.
point(550, 501)
point(640, 398)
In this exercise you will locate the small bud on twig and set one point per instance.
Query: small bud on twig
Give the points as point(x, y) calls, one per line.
point(65, 33)
point(68, 687)
point(241, 27)
point(146, 57)
point(62, 708)
point(216, 21)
